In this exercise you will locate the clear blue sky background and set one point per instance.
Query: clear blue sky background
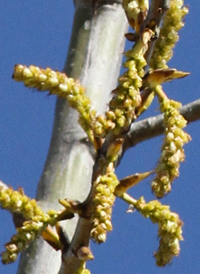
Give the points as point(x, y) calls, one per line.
point(38, 32)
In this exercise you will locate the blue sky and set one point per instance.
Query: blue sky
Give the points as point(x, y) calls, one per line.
point(38, 32)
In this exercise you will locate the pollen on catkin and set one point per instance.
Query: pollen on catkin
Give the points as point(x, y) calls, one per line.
point(102, 206)
point(136, 12)
point(27, 233)
point(14, 201)
point(59, 84)
point(169, 229)
point(172, 148)
point(126, 98)
point(172, 23)
point(37, 220)
point(122, 107)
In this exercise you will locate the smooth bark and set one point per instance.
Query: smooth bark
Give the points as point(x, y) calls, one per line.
point(94, 57)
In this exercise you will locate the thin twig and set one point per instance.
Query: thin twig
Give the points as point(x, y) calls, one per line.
point(156, 12)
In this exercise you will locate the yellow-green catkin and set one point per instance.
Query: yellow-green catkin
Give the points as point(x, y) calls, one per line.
point(172, 149)
point(102, 206)
point(172, 23)
point(126, 96)
point(136, 12)
point(169, 229)
point(14, 201)
point(26, 234)
point(59, 84)
point(122, 106)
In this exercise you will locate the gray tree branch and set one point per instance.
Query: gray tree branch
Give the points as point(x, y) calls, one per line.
point(94, 58)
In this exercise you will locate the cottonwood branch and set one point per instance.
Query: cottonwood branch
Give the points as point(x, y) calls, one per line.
point(102, 67)
point(153, 126)
point(94, 58)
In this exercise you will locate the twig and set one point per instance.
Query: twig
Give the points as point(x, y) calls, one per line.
point(155, 16)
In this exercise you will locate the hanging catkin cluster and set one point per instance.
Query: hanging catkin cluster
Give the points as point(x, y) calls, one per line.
point(169, 229)
point(122, 113)
point(172, 23)
point(15, 201)
point(172, 149)
point(103, 202)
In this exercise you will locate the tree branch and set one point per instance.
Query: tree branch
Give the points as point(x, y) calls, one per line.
point(94, 58)
point(153, 126)
point(107, 38)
